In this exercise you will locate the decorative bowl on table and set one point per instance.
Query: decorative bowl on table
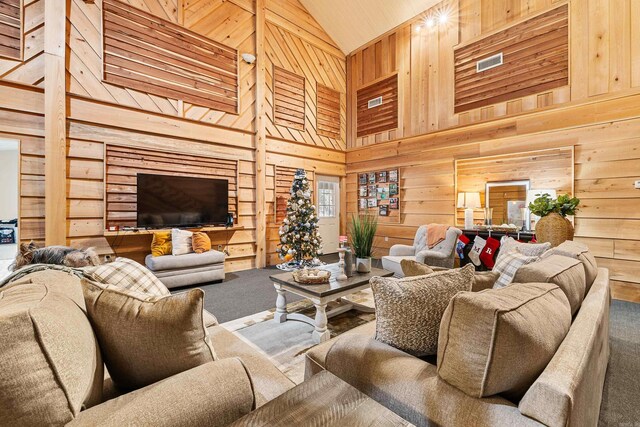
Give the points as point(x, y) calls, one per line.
point(311, 276)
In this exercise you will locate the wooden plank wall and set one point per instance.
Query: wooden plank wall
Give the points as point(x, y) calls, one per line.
point(288, 99)
point(101, 114)
point(383, 117)
point(155, 55)
point(11, 29)
point(123, 164)
point(553, 170)
point(604, 57)
point(535, 59)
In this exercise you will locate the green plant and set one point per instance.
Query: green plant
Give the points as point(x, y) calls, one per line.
point(362, 230)
point(563, 205)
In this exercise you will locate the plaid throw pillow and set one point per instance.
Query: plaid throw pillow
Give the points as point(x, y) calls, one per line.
point(507, 266)
point(127, 274)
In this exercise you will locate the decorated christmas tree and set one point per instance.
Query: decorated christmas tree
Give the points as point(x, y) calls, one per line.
point(299, 238)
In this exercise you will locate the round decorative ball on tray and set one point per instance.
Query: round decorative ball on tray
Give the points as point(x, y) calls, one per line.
point(311, 276)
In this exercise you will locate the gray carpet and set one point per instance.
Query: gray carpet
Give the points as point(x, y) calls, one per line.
point(621, 394)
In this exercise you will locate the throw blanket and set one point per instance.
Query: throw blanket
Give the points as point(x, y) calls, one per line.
point(32, 268)
point(436, 233)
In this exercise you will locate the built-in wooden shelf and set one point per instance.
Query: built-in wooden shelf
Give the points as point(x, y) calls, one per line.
point(121, 233)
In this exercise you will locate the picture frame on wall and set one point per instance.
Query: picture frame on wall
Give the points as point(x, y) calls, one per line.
point(372, 177)
point(372, 191)
point(393, 203)
point(363, 191)
point(393, 175)
point(383, 210)
point(372, 203)
point(363, 204)
point(382, 176)
point(363, 179)
point(393, 189)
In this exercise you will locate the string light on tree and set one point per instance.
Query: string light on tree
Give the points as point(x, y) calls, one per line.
point(299, 239)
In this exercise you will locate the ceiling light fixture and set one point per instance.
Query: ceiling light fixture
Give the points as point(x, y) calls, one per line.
point(418, 28)
point(443, 17)
point(431, 22)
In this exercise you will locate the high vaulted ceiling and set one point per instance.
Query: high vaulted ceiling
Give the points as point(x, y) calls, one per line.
point(352, 23)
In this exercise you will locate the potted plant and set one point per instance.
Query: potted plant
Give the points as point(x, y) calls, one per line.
point(362, 230)
point(554, 227)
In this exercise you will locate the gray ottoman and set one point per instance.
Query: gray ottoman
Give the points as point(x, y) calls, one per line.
point(189, 269)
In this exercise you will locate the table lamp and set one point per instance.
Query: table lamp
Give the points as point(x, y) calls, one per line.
point(468, 201)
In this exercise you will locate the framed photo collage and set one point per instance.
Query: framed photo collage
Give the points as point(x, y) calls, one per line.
point(380, 190)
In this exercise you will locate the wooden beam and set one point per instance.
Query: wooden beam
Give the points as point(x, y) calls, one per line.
point(55, 117)
point(260, 138)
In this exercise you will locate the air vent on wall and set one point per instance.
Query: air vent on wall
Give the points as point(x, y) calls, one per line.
point(490, 62)
point(374, 102)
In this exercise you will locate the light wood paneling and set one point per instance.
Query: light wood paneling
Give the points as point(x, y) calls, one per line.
point(29, 68)
point(535, 56)
point(604, 58)
point(154, 55)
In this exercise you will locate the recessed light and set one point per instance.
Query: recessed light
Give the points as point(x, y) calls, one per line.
point(418, 28)
point(443, 17)
point(431, 22)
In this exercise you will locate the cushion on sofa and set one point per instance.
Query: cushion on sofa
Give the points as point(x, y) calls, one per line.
point(127, 274)
point(580, 252)
point(201, 242)
point(567, 273)
point(484, 280)
point(150, 339)
point(508, 265)
point(161, 243)
point(500, 340)
point(181, 241)
point(50, 364)
point(171, 262)
point(408, 310)
point(412, 268)
point(508, 244)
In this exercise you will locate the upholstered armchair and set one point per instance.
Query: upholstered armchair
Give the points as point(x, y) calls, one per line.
point(441, 255)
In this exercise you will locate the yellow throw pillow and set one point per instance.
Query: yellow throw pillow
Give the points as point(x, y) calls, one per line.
point(201, 242)
point(161, 243)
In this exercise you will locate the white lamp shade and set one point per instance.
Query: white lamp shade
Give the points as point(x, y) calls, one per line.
point(469, 200)
point(534, 194)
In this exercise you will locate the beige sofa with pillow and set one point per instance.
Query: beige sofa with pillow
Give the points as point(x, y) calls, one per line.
point(470, 363)
point(52, 371)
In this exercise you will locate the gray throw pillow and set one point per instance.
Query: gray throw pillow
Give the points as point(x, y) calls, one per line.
point(409, 310)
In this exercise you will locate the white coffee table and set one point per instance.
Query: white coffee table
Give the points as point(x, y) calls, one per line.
point(321, 295)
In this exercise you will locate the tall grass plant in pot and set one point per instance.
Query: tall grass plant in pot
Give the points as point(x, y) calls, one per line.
point(554, 227)
point(362, 230)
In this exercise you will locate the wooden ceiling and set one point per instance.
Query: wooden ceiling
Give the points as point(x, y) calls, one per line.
point(353, 23)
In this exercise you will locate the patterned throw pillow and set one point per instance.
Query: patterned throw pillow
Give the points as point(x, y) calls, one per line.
point(508, 244)
point(182, 241)
point(201, 242)
point(127, 274)
point(507, 266)
point(412, 268)
point(161, 243)
point(409, 310)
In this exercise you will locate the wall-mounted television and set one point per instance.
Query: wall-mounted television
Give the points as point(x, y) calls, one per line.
point(178, 201)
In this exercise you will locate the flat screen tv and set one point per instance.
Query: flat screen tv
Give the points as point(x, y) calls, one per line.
point(177, 201)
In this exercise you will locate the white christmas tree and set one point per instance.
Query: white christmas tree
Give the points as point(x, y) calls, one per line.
point(299, 239)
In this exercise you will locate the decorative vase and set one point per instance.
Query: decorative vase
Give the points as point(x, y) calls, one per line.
point(363, 265)
point(554, 228)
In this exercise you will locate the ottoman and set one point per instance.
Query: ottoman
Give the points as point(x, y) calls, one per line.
point(392, 263)
point(189, 269)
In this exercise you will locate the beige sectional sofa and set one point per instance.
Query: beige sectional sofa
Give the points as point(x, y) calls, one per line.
point(51, 369)
point(567, 393)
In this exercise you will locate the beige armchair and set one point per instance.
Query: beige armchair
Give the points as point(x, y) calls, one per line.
point(441, 255)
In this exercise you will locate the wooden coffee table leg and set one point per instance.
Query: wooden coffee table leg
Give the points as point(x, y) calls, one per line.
point(321, 333)
point(281, 304)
